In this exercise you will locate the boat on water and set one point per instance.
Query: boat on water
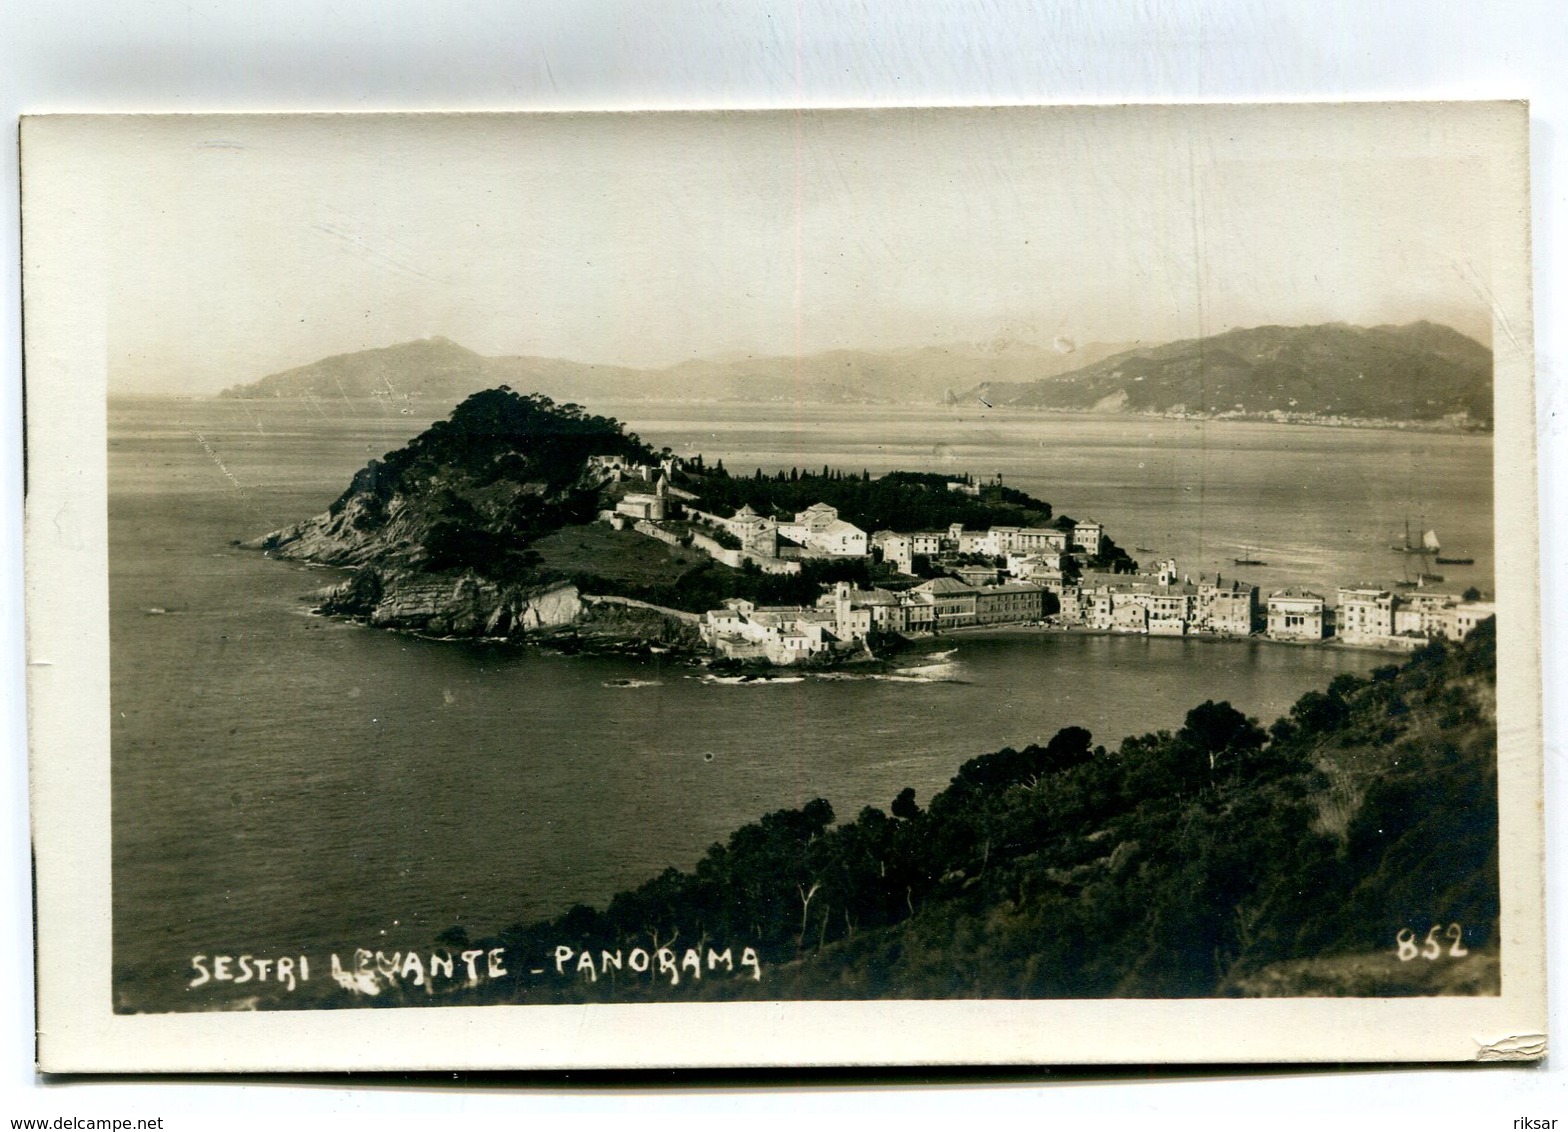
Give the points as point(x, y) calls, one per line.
point(1454, 561)
point(1429, 543)
point(1249, 562)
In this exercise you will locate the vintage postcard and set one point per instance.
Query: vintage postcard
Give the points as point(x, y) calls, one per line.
point(857, 587)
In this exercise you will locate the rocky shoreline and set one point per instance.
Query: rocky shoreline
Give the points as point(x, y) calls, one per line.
point(466, 606)
point(559, 617)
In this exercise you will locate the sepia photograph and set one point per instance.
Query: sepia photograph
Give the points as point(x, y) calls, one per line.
point(1042, 563)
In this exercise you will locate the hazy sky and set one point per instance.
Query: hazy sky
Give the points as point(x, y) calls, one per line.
point(243, 246)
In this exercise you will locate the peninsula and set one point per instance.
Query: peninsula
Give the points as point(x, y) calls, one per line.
point(521, 519)
point(518, 518)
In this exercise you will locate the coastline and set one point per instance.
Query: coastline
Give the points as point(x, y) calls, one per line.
point(439, 404)
point(1207, 638)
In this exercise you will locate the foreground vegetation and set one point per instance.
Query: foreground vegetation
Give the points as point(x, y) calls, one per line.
point(1218, 859)
point(1348, 849)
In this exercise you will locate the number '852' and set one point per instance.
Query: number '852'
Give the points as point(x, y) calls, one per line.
point(1432, 948)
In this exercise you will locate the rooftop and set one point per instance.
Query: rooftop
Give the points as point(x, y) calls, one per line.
point(1296, 592)
point(945, 585)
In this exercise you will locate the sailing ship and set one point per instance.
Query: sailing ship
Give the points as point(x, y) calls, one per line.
point(1428, 544)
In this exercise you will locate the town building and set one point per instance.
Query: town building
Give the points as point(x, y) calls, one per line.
point(973, 542)
point(1044, 568)
point(897, 550)
point(645, 505)
point(1040, 540)
point(819, 530)
point(1012, 601)
point(1364, 615)
point(1469, 614)
point(860, 611)
point(785, 635)
point(917, 614)
point(1226, 607)
point(978, 575)
point(1425, 614)
point(1296, 614)
point(953, 602)
point(1088, 536)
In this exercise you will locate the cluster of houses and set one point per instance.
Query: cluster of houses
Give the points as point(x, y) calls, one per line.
point(1374, 615)
point(1153, 604)
point(998, 576)
point(1157, 603)
point(845, 617)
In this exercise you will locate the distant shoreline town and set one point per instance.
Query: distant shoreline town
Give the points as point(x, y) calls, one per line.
point(1000, 576)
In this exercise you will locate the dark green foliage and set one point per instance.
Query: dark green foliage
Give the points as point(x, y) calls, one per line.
point(900, 501)
point(503, 470)
point(501, 434)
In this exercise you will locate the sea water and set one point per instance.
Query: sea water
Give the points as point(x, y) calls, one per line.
point(286, 783)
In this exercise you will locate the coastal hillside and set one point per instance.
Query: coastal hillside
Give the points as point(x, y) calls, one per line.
point(441, 533)
point(912, 375)
point(437, 372)
point(1420, 372)
point(472, 491)
point(1348, 849)
point(1423, 372)
point(486, 525)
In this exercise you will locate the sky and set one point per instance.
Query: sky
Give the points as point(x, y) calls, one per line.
point(242, 246)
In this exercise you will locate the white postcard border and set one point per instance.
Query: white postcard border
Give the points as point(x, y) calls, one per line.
point(68, 657)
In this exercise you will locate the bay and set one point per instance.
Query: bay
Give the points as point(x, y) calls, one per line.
point(284, 783)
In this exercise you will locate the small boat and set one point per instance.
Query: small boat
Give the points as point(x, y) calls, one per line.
point(1455, 561)
point(1144, 549)
point(1246, 558)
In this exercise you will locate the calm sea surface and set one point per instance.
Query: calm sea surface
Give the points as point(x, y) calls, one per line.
point(283, 783)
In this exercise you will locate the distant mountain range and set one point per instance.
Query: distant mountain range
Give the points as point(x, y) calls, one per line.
point(440, 370)
point(1420, 372)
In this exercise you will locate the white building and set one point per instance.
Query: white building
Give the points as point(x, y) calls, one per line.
point(1469, 614)
point(1295, 615)
point(1088, 536)
point(1365, 615)
point(818, 528)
